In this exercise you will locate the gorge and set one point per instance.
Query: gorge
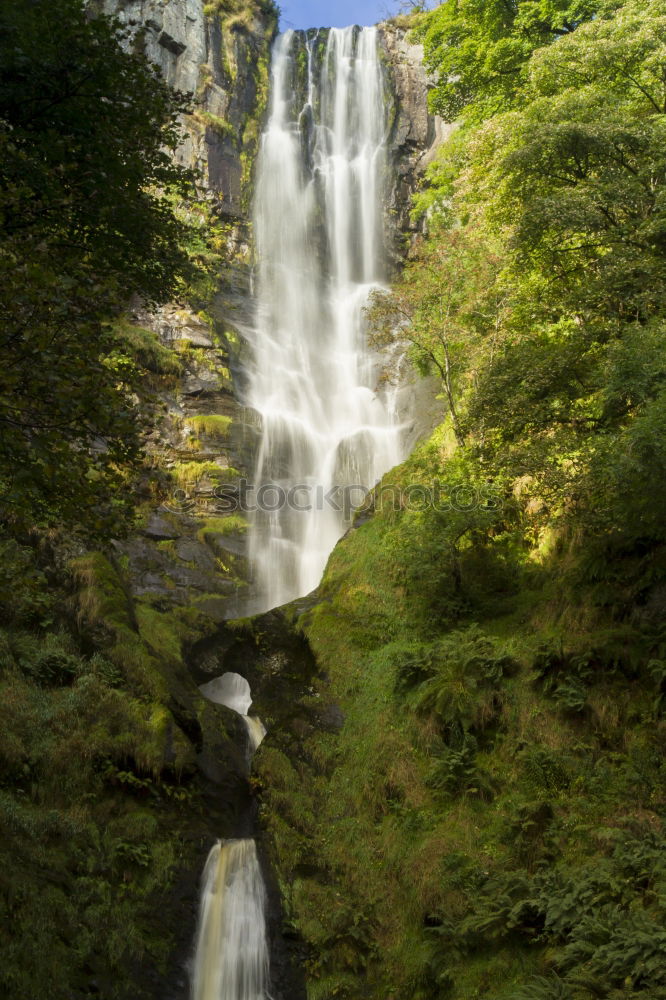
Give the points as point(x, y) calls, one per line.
point(326, 434)
point(288, 750)
point(231, 960)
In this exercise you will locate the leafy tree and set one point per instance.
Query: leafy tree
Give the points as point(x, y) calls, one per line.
point(573, 184)
point(579, 173)
point(479, 48)
point(446, 294)
point(87, 188)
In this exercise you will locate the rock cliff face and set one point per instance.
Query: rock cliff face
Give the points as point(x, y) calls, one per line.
point(219, 53)
point(416, 134)
point(415, 137)
point(190, 552)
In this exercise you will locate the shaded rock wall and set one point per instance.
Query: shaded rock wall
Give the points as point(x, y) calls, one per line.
point(219, 53)
point(220, 56)
point(415, 134)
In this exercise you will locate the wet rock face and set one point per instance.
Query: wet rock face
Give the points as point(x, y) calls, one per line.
point(223, 65)
point(197, 434)
point(416, 134)
point(186, 552)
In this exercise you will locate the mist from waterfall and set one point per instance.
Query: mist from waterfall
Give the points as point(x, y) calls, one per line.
point(319, 209)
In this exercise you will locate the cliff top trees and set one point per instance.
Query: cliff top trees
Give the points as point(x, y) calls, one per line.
point(86, 220)
point(478, 48)
point(552, 350)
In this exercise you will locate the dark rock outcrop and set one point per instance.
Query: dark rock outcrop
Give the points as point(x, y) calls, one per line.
point(416, 134)
point(222, 61)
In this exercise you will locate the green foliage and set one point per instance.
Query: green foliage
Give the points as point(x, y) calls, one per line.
point(25, 597)
point(558, 376)
point(479, 49)
point(144, 347)
point(49, 661)
point(190, 474)
point(238, 14)
point(97, 783)
point(213, 425)
point(230, 525)
point(86, 185)
point(221, 126)
point(444, 297)
point(468, 670)
point(545, 988)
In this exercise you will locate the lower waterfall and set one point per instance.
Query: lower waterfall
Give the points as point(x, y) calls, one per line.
point(231, 958)
point(231, 954)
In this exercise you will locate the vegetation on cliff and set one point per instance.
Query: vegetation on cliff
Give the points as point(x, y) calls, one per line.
point(470, 802)
point(101, 800)
point(487, 821)
point(87, 133)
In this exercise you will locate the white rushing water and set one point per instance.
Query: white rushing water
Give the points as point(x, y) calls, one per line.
point(231, 954)
point(231, 959)
point(234, 691)
point(319, 233)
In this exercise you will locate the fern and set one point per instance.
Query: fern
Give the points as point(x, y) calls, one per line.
point(456, 771)
point(544, 771)
point(620, 946)
point(544, 988)
point(462, 691)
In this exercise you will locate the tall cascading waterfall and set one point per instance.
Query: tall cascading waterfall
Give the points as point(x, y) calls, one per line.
point(325, 427)
point(320, 194)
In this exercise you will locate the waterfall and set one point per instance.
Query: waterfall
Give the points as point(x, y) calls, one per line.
point(255, 732)
point(326, 430)
point(231, 954)
point(233, 691)
point(231, 960)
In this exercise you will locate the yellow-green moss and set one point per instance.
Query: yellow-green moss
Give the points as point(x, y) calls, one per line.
point(213, 425)
point(230, 525)
point(144, 345)
point(192, 473)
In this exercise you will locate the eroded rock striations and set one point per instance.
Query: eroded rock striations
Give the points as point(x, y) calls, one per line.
point(416, 133)
point(219, 53)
